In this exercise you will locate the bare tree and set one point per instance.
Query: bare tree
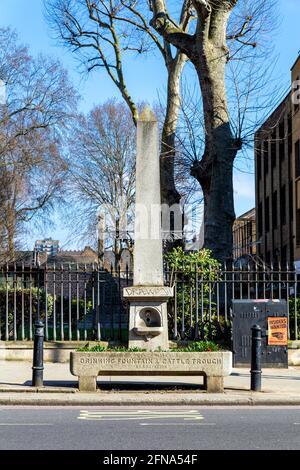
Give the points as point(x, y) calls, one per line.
point(104, 33)
point(33, 119)
point(223, 30)
point(102, 180)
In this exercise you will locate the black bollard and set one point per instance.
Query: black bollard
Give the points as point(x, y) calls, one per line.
point(256, 359)
point(38, 355)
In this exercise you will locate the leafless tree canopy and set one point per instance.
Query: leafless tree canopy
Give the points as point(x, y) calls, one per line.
point(105, 34)
point(103, 168)
point(33, 120)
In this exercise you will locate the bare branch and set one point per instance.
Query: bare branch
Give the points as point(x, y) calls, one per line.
point(171, 31)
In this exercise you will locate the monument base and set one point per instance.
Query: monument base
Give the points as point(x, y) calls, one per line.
point(151, 335)
point(148, 320)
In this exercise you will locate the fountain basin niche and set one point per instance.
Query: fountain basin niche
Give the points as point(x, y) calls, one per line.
point(148, 322)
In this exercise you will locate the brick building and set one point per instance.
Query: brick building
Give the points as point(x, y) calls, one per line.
point(244, 235)
point(296, 158)
point(274, 186)
point(277, 173)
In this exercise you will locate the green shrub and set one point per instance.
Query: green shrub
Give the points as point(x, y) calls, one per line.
point(188, 270)
point(196, 346)
point(292, 317)
point(200, 346)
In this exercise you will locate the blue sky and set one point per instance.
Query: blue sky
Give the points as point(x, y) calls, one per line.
point(145, 78)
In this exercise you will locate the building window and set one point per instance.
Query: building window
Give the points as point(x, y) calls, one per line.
point(259, 219)
point(296, 106)
point(281, 140)
point(291, 201)
point(273, 149)
point(258, 163)
point(290, 135)
point(297, 158)
point(267, 214)
point(266, 157)
point(298, 227)
point(283, 255)
point(298, 213)
point(283, 205)
point(274, 210)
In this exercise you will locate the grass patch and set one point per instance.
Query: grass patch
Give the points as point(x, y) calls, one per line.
point(196, 346)
point(200, 346)
point(101, 348)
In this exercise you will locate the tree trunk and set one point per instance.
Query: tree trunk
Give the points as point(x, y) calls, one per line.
point(218, 209)
point(11, 231)
point(215, 171)
point(169, 194)
point(9, 216)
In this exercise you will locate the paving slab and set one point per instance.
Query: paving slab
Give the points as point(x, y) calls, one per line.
point(279, 387)
point(16, 374)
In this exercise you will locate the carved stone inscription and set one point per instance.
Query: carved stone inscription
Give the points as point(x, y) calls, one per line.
point(145, 291)
point(119, 363)
point(136, 362)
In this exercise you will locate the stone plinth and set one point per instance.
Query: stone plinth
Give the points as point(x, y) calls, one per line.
point(148, 321)
point(213, 365)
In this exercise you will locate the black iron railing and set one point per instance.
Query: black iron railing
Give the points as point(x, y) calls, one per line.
point(84, 302)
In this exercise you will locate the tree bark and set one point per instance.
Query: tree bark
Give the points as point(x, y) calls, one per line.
point(10, 231)
point(169, 194)
point(219, 213)
point(215, 171)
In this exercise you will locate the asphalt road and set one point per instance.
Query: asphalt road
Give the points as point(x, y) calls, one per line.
point(152, 428)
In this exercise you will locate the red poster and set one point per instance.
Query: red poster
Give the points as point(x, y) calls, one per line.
point(278, 331)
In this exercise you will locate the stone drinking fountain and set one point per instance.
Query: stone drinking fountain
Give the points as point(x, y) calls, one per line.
point(148, 321)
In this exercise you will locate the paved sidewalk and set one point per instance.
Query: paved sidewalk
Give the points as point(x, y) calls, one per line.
point(279, 387)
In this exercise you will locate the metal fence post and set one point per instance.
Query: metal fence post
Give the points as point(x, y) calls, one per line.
point(256, 359)
point(38, 355)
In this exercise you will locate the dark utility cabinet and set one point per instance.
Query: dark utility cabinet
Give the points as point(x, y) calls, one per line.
point(245, 314)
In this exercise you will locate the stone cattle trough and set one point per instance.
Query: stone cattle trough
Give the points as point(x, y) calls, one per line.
point(214, 366)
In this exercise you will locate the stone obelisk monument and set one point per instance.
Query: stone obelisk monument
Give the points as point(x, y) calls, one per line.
point(148, 323)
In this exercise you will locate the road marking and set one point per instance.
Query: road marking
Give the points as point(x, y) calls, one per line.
point(26, 424)
point(170, 412)
point(177, 424)
point(139, 415)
